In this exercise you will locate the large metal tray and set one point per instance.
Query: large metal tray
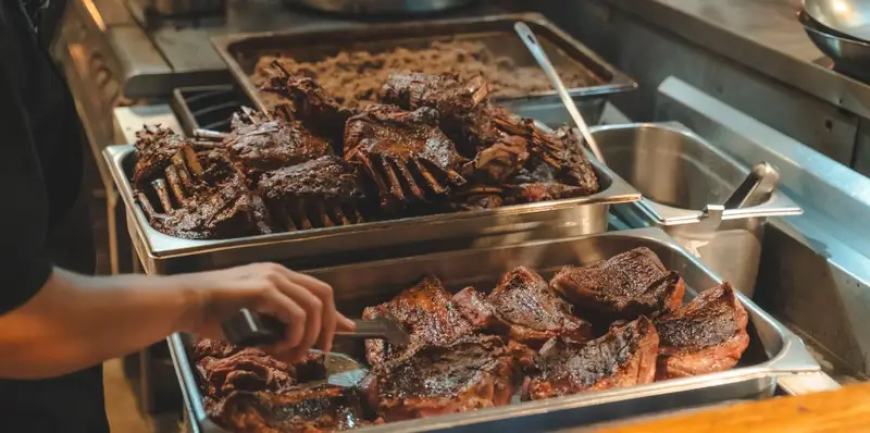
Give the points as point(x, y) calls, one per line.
point(773, 350)
point(162, 254)
point(242, 51)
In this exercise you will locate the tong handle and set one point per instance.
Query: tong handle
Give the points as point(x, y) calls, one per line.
point(249, 328)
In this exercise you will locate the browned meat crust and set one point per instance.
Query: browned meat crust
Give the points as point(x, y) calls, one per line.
point(624, 357)
point(704, 336)
point(622, 287)
point(524, 305)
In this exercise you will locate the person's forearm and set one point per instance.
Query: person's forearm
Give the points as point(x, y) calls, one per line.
point(77, 321)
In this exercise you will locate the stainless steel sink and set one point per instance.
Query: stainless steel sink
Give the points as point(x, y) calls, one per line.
point(679, 174)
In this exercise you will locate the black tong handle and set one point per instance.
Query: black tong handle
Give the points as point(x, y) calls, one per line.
point(248, 328)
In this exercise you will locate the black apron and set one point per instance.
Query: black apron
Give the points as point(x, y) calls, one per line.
point(72, 403)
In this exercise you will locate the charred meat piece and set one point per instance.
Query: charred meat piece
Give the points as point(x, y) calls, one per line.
point(525, 305)
point(472, 373)
point(574, 167)
point(496, 163)
point(321, 408)
point(158, 149)
point(324, 192)
point(206, 198)
point(429, 315)
point(704, 336)
point(622, 287)
point(262, 145)
point(404, 153)
point(452, 97)
point(311, 104)
point(625, 356)
point(247, 370)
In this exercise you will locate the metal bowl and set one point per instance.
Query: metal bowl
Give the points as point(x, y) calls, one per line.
point(849, 55)
point(377, 7)
point(845, 18)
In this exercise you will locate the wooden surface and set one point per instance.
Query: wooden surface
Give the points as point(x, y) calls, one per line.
point(844, 410)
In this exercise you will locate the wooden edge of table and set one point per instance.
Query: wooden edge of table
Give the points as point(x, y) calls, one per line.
point(843, 410)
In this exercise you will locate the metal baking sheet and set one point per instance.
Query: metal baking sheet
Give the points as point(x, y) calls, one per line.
point(773, 350)
point(242, 51)
point(162, 254)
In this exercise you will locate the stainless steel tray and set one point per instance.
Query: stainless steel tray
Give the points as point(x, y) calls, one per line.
point(162, 254)
point(773, 350)
point(242, 51)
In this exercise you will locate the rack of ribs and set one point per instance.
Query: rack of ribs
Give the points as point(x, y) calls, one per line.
point(704, 336)
point(322, 192)
point(471, 373)
point(622, 287)
point(404, 153)
point(524, 305)
point(625, 356)
point(426, 311)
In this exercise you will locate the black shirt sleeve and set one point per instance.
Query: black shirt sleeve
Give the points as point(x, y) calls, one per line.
point(24, 262)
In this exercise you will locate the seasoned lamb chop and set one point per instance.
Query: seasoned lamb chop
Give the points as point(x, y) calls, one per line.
point(625, 356)
point(247, 370)
point(311, 104)
point(526, 307)
point(428, 313)
point(203, 196)
point(471, 373)
point(321, 408)
point(622, 287)
point(704, 336)
point(262, 145)
point(324, 192)
point(452, 97)
point(404, 153)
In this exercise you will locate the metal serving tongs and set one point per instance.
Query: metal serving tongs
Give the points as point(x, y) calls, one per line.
point(755, 188)
point(249, 328)
point(528, 38)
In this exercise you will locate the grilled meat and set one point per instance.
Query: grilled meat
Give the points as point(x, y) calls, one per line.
point(322, 408)
point(471, 373)
point(625, 356)
point(428, 313)
point(311, 104)
point(324, 192)
point(262, 145)
point(452, 97)
point(574, 167)
point(622, 287)
point(704, 336)
point(524, 305)
point(246, 370)
point(404, 153)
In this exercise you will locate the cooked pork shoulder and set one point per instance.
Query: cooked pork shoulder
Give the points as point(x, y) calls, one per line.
point(323, 192)
point(622, 287)
point(471, 373)
point(403, 153)
point(310, 409)
point(704, 336)
point(625, 356)
point(526, 307)
point(428, 313)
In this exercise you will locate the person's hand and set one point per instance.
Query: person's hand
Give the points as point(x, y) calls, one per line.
point(304, 303)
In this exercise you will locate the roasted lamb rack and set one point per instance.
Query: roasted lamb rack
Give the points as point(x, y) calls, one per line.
point(706, 335)
point(194, 195)
point(471, 373)
point(625, 356)
point(622, 287)
point(262, 145)
point(452, 97)
point(323, 192)
point(525, 307)
point(404, 153)
point(310, 103)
